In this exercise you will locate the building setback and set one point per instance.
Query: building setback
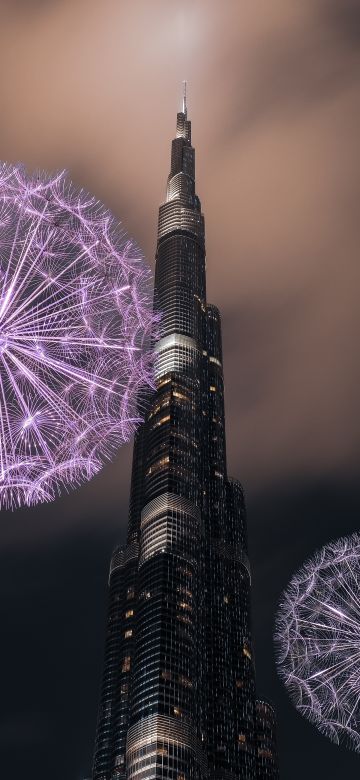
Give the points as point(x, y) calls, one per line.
point(178, 698)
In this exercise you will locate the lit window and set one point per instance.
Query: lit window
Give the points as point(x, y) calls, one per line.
point(226, 599)
point(183, 397)
point(128, 633)
point(239, 683)
point(183, 619)
point(163, 382)
point(242, 738)
point(185, 681)
point(126, 664)
point(183, 570)
point(164, 402)
point(184, 605)
point(129, 613)
point(158, 465)
point(162, 421)
point(187, 592)
point(247, 652)
point(130, 593)
point(212, 389)
point(214, 360)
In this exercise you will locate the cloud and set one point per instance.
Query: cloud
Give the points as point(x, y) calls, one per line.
point(274, 103)
point(297, 68)
point(344, 15)
point(23, 9)
point(101, 503)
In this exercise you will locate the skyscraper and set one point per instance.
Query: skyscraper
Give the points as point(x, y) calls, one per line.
point(178, 697)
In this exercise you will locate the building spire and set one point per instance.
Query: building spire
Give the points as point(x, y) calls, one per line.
point(184, 98)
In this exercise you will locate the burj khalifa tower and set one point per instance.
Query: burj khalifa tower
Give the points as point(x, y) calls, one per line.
point(178, 698)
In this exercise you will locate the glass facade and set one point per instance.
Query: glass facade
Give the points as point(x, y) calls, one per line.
point(178, 694)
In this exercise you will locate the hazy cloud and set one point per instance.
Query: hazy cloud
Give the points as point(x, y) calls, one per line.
point(297, 68)
point(275, 109)
point(345, 18)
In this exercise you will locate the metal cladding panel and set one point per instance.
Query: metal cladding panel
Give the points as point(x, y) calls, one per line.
point(159, 746)
point(170, 523)
point(174, 216)
point(176, 354)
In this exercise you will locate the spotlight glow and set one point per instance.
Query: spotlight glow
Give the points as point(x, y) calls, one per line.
point(317, 640)
point(75, 327)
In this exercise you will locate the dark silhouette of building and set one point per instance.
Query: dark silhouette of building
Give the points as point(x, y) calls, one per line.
point(266, 741)
point(178, 694)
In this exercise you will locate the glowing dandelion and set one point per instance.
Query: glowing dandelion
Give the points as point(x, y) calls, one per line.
point(75, 323)
point(318, 640)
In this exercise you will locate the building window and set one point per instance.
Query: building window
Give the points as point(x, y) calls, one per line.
point(247, 652)
point(184, 605)
point(184, 619)
point(265, 753)
point(214, 360)
point(185, 681)
point(129, 613)
point(162, 421)
point(187, 592)
point(163, 382)
point(183, 397)
point(158, 465)
point(128, 633)
point(126, 664)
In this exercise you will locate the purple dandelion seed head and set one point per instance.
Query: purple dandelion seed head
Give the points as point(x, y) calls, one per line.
point(317, 641)
point(76, 324)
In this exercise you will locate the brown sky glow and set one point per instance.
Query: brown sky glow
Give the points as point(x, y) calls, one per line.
point(274, 99)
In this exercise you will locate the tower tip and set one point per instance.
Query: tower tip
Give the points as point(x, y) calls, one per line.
point(184, 98)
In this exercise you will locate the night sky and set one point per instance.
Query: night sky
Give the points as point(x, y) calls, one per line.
point(94, 87)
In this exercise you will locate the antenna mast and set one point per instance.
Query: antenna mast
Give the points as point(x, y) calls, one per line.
point(184, 98)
